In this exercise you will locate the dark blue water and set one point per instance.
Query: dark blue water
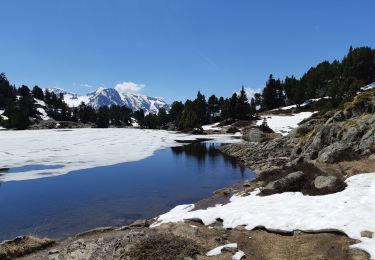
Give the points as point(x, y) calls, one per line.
point(114, 195)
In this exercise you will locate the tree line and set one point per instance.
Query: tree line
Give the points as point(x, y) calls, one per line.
point(22, 107)
point(339, 80)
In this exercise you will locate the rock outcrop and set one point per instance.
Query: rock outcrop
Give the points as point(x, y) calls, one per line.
point(332, 137)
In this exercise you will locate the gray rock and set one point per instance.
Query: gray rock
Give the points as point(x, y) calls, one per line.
point(196, 220)
point(368, 140)
point(325, 182)
point(337, 117)
point(367, 233)
point(335, 152)
point(140, 223)
point(223, 192)
point(232, 130)
point(53, 251)
point(288, 183)
point(253, 134)
point(372, 157)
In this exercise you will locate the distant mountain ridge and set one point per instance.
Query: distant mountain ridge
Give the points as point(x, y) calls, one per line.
point(109, 96)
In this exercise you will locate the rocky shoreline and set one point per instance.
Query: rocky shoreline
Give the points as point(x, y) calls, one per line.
point(314, 159)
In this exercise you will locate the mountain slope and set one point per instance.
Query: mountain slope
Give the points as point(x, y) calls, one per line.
point(109, 96)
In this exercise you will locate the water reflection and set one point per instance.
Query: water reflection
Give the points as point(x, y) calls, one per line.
point(203, 151)
point(117, 194)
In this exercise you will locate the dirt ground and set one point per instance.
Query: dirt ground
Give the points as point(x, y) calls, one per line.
point(256, 244)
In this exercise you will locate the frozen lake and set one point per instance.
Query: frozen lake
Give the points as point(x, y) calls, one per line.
point(107, 195)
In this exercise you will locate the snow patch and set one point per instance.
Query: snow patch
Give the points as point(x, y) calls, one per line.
point(217, 250)
point(78, 149)
point(213, 127)
point(301, 105)
point(369, 86)
point(283, 124)
point(238, 255)
point(2, 116)
point(134, 122)
point(350, 211)
point(43, 113)
point(40, 102)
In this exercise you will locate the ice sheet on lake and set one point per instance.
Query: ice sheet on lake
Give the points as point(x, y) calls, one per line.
point(83, 148)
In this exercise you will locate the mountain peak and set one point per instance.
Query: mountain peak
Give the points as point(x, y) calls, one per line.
point(109, 96)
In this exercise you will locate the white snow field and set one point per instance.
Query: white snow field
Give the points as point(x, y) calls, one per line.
point(350, 211)
point(283, 124)
point(83, 148)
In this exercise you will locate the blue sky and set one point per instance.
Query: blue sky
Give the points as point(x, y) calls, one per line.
point(173, 48)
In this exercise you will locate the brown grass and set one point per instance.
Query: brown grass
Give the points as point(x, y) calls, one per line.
point(21, 246)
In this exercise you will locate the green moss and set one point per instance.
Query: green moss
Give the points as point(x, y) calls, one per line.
point(365, 97)
point(303, 130)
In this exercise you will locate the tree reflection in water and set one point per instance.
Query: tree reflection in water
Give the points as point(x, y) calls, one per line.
point(206, 151)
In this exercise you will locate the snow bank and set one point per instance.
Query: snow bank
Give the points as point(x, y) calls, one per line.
point(350, 211)
point(213, 127)
point(83, 148)
point(283, 124)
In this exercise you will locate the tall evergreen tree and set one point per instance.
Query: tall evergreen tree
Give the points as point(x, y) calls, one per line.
point(37, 93)
point(242, 105)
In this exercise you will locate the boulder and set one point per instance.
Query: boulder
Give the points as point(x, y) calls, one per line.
point(140, 223)
point(335, 152)
point(197, 131)
point(223, 192)
point(291, 182)
point(253, 134)
point(328, 184)
point(367, 142)
point(232, 130)
point(367, 233)
point(325, 182)
point(337, 117)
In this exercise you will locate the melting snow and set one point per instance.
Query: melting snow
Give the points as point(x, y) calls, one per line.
point(369, 86)
point(212, 127)
point(283, 124)
point(83, 148)
point(43, 113)
point(238, 255)
point(2, 116)
point(217, 250)
point(302, 105)
point(350, 211)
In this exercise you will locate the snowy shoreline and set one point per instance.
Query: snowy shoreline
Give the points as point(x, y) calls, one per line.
point(77, 149)
point(350, 211)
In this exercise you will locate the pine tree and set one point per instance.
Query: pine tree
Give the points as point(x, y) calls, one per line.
point(242, 105)
point(200, 108)
point(162, 117)
point(37, 93)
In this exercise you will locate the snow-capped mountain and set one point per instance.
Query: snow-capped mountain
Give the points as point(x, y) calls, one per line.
point(108, 96)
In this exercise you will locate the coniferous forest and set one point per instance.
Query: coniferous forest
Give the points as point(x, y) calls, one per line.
point(338, 80)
